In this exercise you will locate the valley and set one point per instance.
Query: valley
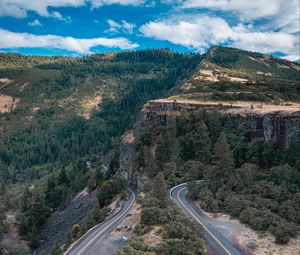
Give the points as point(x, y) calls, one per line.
point(148, 120)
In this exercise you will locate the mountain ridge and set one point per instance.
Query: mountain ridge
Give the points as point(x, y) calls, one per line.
point(59, 113)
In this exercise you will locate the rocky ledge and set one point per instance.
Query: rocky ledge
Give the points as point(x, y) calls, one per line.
point(265, 121)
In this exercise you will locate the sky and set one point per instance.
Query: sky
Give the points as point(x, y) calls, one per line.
point(80, 27)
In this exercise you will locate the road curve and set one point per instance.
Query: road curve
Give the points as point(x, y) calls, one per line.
point(93, 237)
point(215, 239)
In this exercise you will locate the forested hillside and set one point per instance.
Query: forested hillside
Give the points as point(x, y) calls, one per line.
point(248, 178)
point(222, 126)
point(49, 121)
point(61, 118)
point(65, 112)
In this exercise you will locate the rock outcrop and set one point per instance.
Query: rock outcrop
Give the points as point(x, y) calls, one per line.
point(263, 121)
point(62, 220)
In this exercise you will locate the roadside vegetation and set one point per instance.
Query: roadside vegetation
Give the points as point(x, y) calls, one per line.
point(178, 235)
point(245, 177)
point(39, 201)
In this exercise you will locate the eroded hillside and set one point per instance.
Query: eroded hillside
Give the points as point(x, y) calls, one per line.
point(232, 74)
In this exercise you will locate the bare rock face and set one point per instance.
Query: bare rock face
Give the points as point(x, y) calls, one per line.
point(127, 156)
point(278, 123)
point(62, 220)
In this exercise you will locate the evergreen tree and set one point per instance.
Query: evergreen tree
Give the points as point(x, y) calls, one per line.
point(193, 170)
point(223, 163)
point(197, 143)
point(26, 197)
point(175, 151)
point(92, 180)
point(214, 126)
point(113, 164)
point(159, 189)
point(202, 143)
point(63, 178)
point(151, 166)
point(162, 149)
point(170, 168)
point(106, 192)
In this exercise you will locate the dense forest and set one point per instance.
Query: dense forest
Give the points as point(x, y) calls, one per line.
point(45, 141)
point(250, 179)
point(67, 116)
point(58, 136)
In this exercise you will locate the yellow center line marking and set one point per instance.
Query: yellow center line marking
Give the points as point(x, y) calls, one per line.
point(103, 230)
point(207, 230)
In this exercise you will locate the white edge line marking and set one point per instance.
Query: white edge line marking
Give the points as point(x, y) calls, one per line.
point(193, 215)
point(108, 226)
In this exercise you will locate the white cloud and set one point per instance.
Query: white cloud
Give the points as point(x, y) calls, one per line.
point(35, 23)
point(273, 25)
point(247, 9)
point(82, 46)
point(19, 8)
point(277, 14)
point(57, 15)
point(198, 34)
point(287, 19)
point(201, 32)
point(124, 26)
point(100, 3)
point(292, 57)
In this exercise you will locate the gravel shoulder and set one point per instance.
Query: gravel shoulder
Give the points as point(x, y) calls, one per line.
point(246, 238)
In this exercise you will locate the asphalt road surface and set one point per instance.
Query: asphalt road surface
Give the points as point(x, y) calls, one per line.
point(90, 243)
point(219, 243)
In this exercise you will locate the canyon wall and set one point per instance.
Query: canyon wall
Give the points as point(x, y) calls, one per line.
point(265, 122)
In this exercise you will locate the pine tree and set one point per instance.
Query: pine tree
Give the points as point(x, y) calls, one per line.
point(175, 151)
point(214, 125)
point(26, 197)
point(63, 178)
point(197, 143)
point(202, 143)
point(159, 189)
point(151, 167)
point(162, 150)
point(92, 180)
point(223, 162)
point(106, 192)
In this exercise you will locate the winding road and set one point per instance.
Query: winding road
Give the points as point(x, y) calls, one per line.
point(86, 244)
point(93, 239)
point(219, 243)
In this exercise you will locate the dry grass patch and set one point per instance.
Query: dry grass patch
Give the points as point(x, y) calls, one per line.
point(11, 242)
point(238, 106)
point(250, 240)
point(88, 104)
point(153, 237)
point(8, 103)
point(128, 224)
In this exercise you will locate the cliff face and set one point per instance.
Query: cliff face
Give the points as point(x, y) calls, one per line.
point(266, 122)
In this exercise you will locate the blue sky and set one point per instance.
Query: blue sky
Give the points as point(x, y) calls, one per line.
point(79, 27)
